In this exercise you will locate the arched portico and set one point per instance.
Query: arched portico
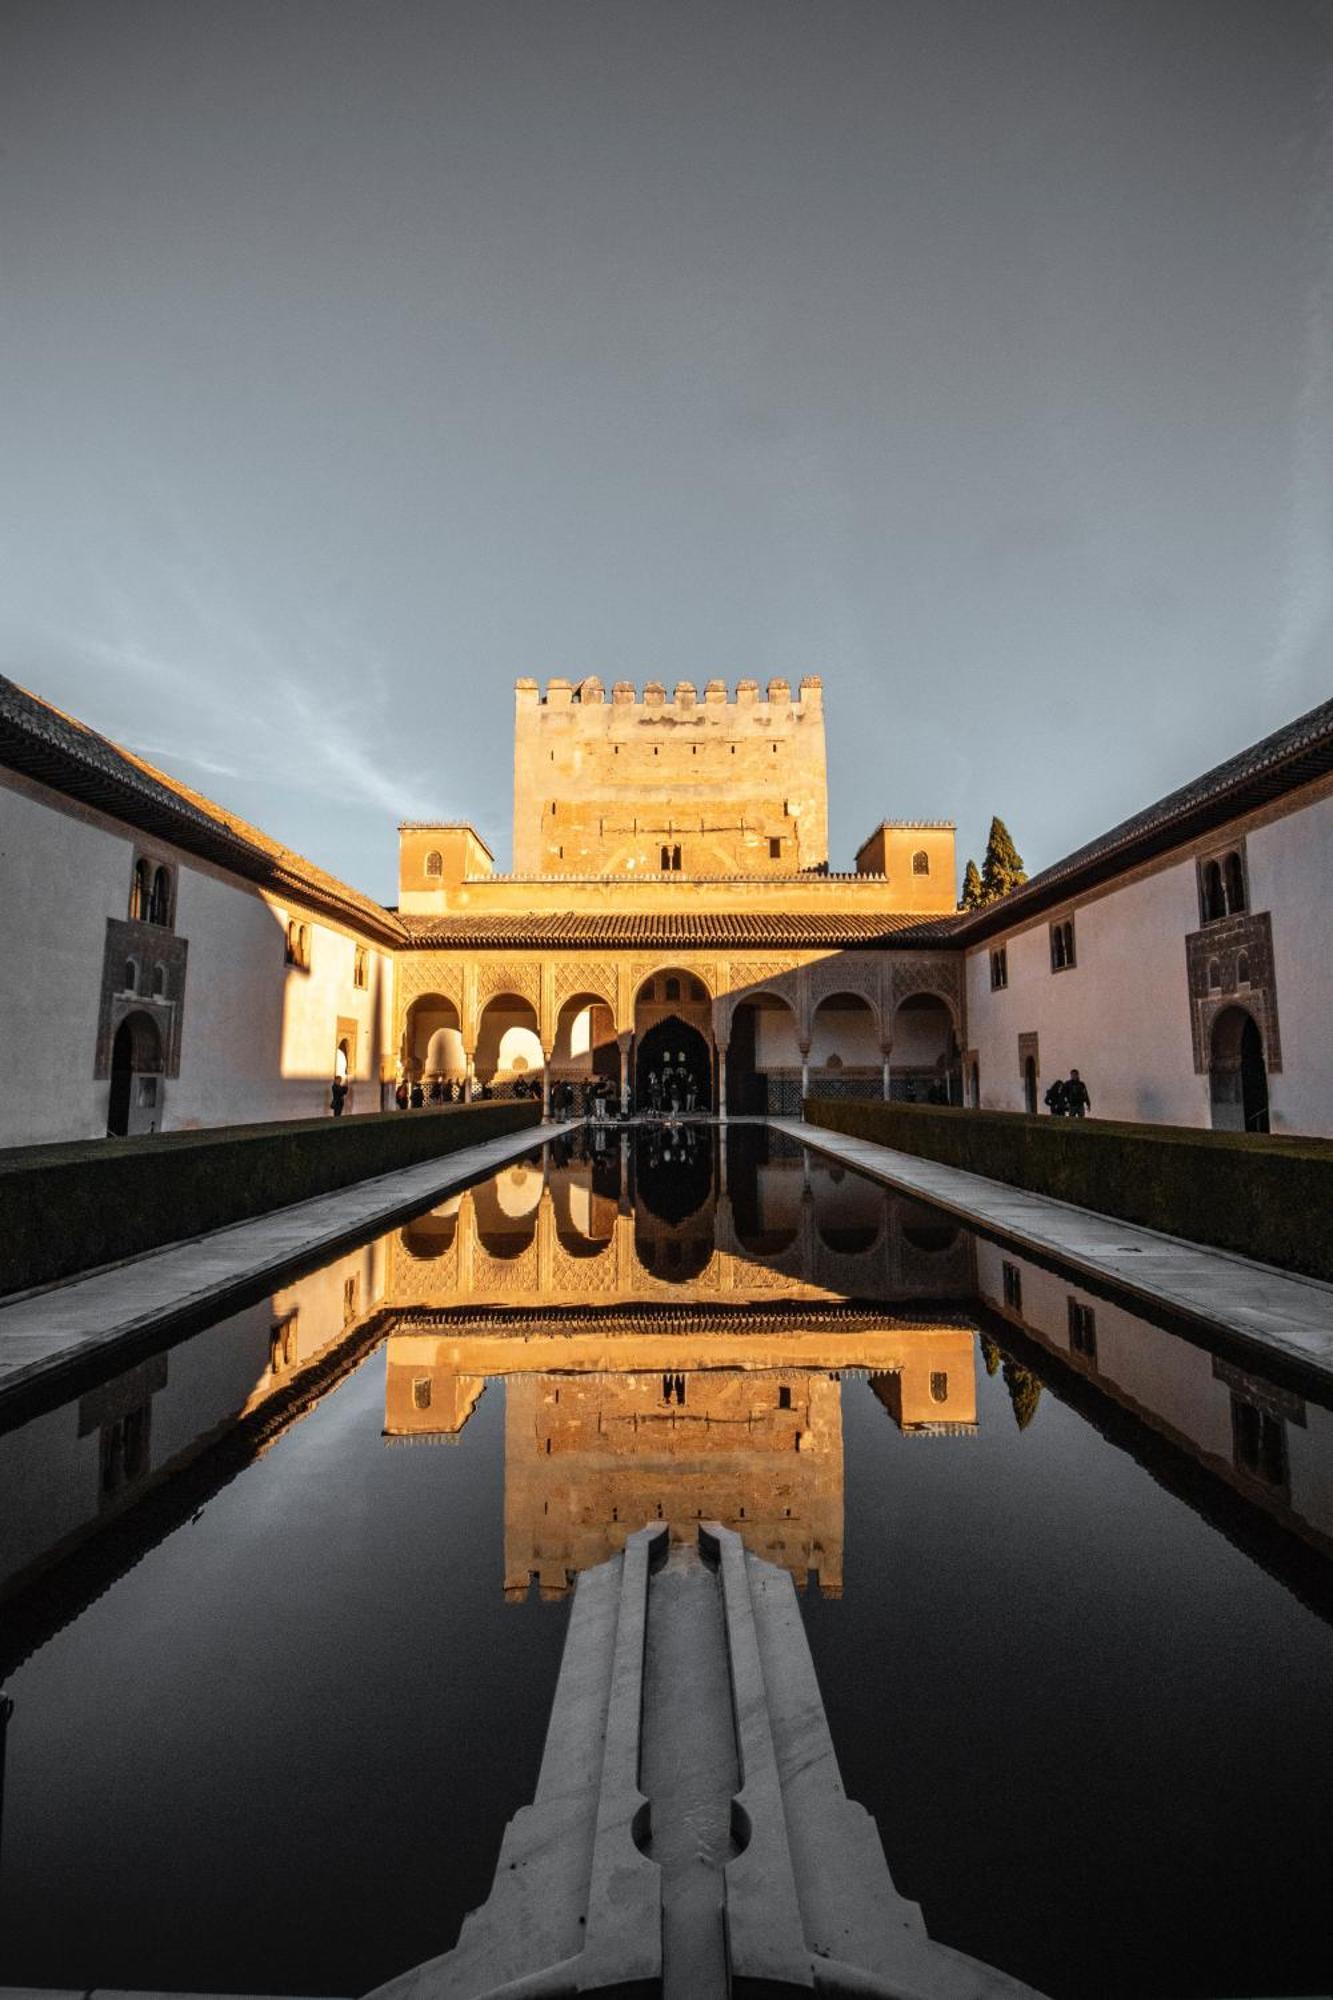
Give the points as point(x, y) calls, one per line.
point(674, 1048)
point(925, 1065)
point(509, 1058)
point(432, 1045)
point(845, 1057)
point(763, 1056)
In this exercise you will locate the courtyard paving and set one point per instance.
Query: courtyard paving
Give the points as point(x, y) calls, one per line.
point(1277, 1311)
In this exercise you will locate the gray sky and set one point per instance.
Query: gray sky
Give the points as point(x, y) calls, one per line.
point(975, 354)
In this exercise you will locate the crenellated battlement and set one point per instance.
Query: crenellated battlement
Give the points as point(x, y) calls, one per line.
point(685, 698)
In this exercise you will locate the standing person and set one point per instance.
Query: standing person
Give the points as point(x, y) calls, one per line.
point(416, 1096)
point(337, 1097)
point(400, 1096)
point(1056, 1099)
point(1077, 1100)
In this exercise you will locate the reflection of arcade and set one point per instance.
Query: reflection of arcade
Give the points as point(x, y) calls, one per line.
point(600, 1221)
point(727, 1420)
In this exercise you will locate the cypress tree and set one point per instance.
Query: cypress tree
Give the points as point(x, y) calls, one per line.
point(990, 1354)
point(1003, 869)
point(971, 896)
point(1024, 1392)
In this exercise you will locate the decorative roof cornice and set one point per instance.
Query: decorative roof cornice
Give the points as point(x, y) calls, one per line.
point(43, 743)
point(563, 930)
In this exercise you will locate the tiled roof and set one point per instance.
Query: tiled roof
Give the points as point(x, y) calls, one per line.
point(563, 930)
point(44, 743)
point(1281, 763)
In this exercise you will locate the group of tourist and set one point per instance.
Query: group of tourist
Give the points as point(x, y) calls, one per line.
point(675, 1089)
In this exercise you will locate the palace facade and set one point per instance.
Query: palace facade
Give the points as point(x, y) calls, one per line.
point(672, 914)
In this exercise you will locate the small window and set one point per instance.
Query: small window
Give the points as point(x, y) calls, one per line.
point(1259, 1439)
point(999, 970)
point(351, 1297)
point(359, 966)
point(1214, 976)
point(774, 848)
point(421, 1392)
point(921, 862)
point(159, 982)
point(1082, 1329)
point(784, 1397)
point(131, 975)
point(666, 861)
point(698, 991)
point(1212, 897)
point(1233, 876)
point(1062, 945)
point(140, 892)
point(939, 1386)
point(675, 858)
point(298, 945)
point(1243, 969)
point(435, 861)
point(159, 900)
point(1013, 1286)
point(673, 989)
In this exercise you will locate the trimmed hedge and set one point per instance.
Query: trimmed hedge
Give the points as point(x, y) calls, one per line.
point(1264, 1197)
point(66, 1208)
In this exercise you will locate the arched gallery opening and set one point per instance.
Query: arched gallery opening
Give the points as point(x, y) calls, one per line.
point(673, 1043)
point(585, 1041)
point(763, 1058)
point(135, 1103)
point(845, 1055)
point(509, 1050)
point(926, 1065)
point(505, 1210)
point(433, 1042)
point(1238, 1073)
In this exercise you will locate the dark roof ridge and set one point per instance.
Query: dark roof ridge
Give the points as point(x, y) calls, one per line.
point(43, 742)
point(1282, 761)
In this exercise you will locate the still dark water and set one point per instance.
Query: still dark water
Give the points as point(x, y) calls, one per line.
point(285, 1602)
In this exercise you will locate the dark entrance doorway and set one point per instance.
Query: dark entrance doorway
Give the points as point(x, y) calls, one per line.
point(677, 1056)
point(136, 1077)
point(1030, 1084)
point(1238, 1074)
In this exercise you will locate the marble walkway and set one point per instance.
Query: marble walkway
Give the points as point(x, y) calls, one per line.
point(46, 1333)
point(1255, 1303)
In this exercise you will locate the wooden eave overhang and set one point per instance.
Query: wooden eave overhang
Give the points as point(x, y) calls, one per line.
point(673, 930)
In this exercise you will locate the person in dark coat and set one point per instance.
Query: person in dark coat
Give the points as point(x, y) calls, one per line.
point(1056, 1099)
point(417, 1097)
point(337, 1097)
point(402, 1096)
point(1078, 1102)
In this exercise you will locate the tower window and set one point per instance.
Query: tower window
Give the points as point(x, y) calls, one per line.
point(921, 862)
point(939, 1386)
point(435, 862)
point(999, 970)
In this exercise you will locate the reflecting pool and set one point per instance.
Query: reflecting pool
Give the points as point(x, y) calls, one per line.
point(283, 1602)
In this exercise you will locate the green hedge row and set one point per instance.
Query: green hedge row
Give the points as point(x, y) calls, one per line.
point(1262, 1196)
point(66, 1208)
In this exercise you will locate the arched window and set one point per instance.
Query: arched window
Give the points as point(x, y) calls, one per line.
point(1243, 969)
point(698, 991)
point(675, 857)
point(131, 975)
point(939, 1386)
point(159, 901)
point(1214, 897)
point(1234, 877)
point(666, 860)
point(435, 862)
point(673, 989)
point(140, 892)
point(303, 947)
point(159, 981)
point(1214, 976)
point(359, 964)
point(421, 1389)
point(921, 862)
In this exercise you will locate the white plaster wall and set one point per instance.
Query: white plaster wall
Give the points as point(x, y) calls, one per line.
point(259, 1035)
point(1290, 866)
point(1120, 1016)
point(852, 1034)
point(776, 1044)
point(62, 874)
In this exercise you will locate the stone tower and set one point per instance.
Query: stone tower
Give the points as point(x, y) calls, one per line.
point(680, 784)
